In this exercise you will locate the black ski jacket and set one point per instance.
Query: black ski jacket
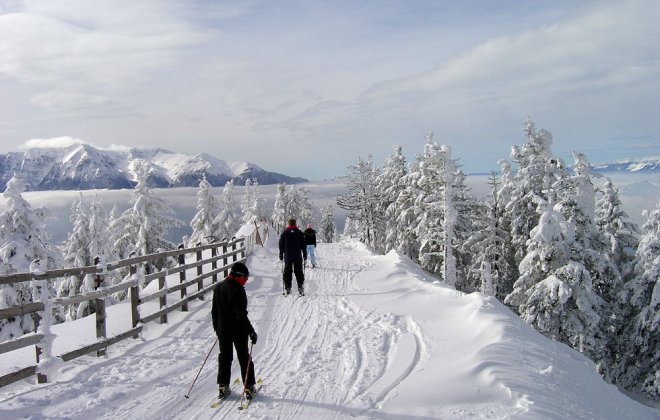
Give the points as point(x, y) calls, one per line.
point(310, 236)
point(229, 309)
point(292, 244)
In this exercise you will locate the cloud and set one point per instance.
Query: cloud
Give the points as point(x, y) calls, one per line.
point(69, 43)
point(55, 142)
point(55, 100)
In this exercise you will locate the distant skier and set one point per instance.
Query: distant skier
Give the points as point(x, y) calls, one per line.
point(294, 253)
point(233, 328)
point(310, 239)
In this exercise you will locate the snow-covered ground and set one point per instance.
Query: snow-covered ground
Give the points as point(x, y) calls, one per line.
point(375, 337)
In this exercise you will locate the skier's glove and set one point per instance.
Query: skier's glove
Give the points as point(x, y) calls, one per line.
point(253, 337)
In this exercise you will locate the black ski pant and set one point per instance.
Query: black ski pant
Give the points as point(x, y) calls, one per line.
point(297, 268)
point(226, 356)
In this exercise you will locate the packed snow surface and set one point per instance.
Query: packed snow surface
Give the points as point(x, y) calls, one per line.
point(374, 337)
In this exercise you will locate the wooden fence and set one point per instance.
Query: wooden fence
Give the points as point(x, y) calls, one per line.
point(223, 255)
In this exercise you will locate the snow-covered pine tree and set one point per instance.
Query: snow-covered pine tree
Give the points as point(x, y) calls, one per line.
point(538, 170)
point(578, 208)
point(204, 228)
point(405, 216)
point(100, 245)
point(23, 238)
point(639, 345)
point(436, 181)
point(279, 216)
point(247, 203)
point(77, 253)
point(555, 294)
point(328, 231)
point(361, 197)
point(389, 184)
point(620, 233)
point(227, 221)
point(488, 246)
point(146, 222)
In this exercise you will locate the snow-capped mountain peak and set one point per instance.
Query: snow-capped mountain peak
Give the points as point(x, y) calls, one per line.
point(82, 166)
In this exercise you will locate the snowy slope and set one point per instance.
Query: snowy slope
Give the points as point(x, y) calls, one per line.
point(375, 337)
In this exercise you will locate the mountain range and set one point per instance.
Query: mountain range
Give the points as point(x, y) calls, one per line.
point(633, 166)
point(83, 167)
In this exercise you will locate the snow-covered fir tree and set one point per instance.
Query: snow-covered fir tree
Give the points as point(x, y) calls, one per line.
point(77, 254)
point(146, 222)
point(429, 205)
point(389, 183)
point(555, 294)
point(578, 205)
point(405, 216)
point(639, 345)
point(328, 231)
point(227, 222)
point(279, 216)
point(23, 239)
point(620, 233)
point(538, 171)
point(297, 205)
point(203, 223)
point(252, 205)
point(492, 260)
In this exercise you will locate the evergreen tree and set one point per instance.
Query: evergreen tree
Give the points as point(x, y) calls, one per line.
point(614, 223)
point(328, 228)
point(226, 221)
point(555, 294)
point(538, 171)
point(146, 222)
point(204, 228)
point(488, 244)
point(406, 216)
point(389, 183)
point(639, 348)
point(279, 216)
point(23, 239)
point(77, 254)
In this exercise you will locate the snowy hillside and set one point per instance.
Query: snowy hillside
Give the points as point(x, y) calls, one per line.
point(82, 167)
point(375, 337)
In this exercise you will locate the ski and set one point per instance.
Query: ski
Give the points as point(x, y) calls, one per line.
point(245, 403)
point(218, 401)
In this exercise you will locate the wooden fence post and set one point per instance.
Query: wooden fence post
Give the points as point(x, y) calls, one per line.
point(200, 271)
point(214, 264)
point(135, 298)
point(224, 260)
point(161, 286)
point(100, 308)
point(182, 279)
point(233, 248)
point(41, 378)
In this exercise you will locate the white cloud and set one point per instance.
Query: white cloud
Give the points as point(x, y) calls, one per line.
point(55, 142)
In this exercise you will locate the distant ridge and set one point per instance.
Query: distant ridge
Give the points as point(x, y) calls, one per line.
point(635, 166)
point(84, 167)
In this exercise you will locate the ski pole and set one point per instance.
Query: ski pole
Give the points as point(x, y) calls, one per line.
point(247, 373)
point(200, 369)
point(283, 291)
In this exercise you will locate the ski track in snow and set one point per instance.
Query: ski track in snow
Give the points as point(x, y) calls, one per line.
point(340, 351)
point(320, 355)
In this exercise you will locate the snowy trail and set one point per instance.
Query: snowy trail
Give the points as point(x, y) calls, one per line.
point(374, 337)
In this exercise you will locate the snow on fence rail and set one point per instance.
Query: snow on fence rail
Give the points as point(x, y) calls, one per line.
point(225, 253)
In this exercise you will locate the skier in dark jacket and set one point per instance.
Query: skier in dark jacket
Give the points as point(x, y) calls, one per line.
point(233, 328)
point(293, 252)
point(310, 239)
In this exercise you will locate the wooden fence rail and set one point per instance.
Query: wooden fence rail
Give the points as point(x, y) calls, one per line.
point(223, 255)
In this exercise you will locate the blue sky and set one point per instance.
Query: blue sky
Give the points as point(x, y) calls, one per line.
point(304, 88)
